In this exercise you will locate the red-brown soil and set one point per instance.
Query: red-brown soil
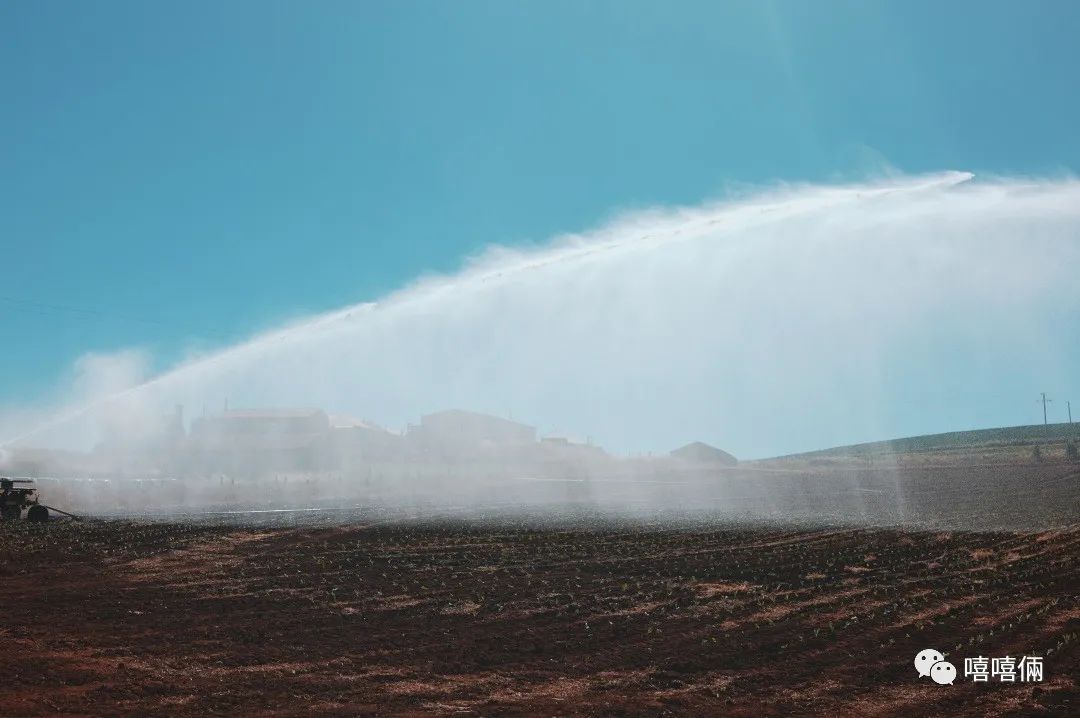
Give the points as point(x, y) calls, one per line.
point(504, 618)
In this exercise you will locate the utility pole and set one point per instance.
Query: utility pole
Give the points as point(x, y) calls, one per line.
point(1068, 405)
point(1044, 401)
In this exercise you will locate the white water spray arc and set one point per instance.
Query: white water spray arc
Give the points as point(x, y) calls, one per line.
point(669, 325)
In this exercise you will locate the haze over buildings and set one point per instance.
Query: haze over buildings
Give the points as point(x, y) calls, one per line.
point(256, 444)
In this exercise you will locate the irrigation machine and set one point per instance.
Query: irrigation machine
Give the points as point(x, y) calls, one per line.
point(15, 498)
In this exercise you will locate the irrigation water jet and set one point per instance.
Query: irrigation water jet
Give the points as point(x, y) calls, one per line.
point(790, 319)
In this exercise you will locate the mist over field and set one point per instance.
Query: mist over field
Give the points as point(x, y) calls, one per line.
point(784, 320)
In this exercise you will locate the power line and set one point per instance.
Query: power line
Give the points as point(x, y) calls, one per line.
point(79, 310)
point(84, 311)
point(1044, 401)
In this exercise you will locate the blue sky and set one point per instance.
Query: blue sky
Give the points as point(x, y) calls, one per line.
point(184, 174)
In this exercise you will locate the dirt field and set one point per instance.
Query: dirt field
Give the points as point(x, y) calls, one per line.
point(508, 616)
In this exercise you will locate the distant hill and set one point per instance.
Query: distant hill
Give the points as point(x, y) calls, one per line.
point(1005, 436)
point(700, 452)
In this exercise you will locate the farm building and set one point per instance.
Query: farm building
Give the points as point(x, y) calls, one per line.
point(699, 452)
point(567, 447)
point(464, 432)
point(354, 442)
point(252, 442)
